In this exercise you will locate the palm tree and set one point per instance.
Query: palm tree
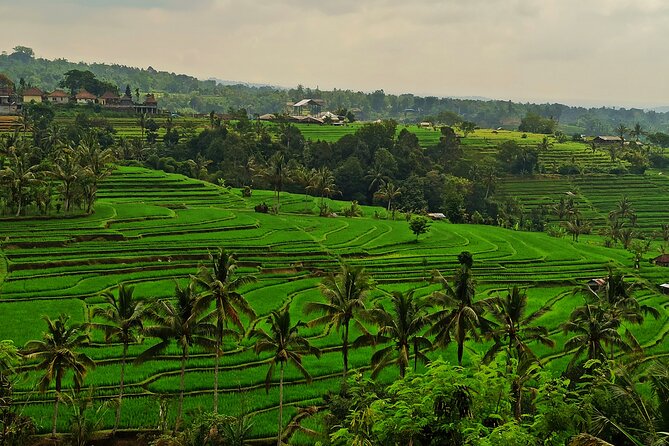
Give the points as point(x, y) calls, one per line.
point(19, 175)
point(592, 328)
point(388, 192)
point(323, 183)
point(621, 130)
point(544, 145)
point(96, 163)
point(276, 173)
point(305, 177)
point(183, 322)
point(458, 316)
point(124, 320)
point(616, 298)
point(58, 353)
point(515, 329)
point(403, 326)
point(637, 132)
point(222, 289)
point(577, 227)
point(69, 172)
point(345, 295)
point(287, 346)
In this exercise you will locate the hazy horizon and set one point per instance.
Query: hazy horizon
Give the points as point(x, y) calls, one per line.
point(586, 53)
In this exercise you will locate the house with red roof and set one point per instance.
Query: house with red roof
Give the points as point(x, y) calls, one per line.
point(32, 94)
point(85, 97)
point(58, 97)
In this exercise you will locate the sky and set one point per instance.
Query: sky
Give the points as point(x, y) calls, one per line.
point(580, 52)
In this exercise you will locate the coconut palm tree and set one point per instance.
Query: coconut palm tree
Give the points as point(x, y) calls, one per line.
point(183, 322)
point(323, 184)
point(305, 177)
point(593, 329)
point(123, 319)
point(637, 132)
point(19, 174)
point(345, 295)
point(514, 329)
point(286, 346)
point(388, 192)
point(616, 298)
point(69, 172)
point(458, 315)
point(57, 353)
point(221, 286)
point(403, 326)
point(277, 174)
point(97, 165)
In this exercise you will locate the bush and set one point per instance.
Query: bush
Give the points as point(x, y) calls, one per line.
point(556, 231)
point(569, 169)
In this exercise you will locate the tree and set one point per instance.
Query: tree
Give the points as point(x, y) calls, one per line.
point(458, 315)
point(514, 329)
point(97, 165)
point(286, 346)
point(467, 127)
point(616, 298)
point(276, 173)
point(345, 295)
point(18, 176)
point(419, 225)
point(403, 327)
point(123, 318)
point(388, 192)
point(637, 132)
point(577, 227)
point(222, 289)
point(593, 329)
point(323, 183)
point(69, 172)
point(58, 353)
point(534, 123)
point(183, 322)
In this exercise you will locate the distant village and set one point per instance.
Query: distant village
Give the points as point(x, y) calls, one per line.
point(11, 102)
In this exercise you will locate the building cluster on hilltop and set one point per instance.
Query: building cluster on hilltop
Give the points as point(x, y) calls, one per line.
point(12, 102)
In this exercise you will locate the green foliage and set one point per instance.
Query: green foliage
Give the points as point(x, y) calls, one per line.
point(419, 225)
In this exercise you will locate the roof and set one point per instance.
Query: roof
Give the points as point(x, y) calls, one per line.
point(150, 99)
point(665, 285)
point(664, 258)
point(436, 215)
point(33, 91)
point(109, 95)
point(304, 102)
point(58, 94)
point(5, 91)
point(83, 94)
point(609, 138)
point(598, 282)
point(266, 117)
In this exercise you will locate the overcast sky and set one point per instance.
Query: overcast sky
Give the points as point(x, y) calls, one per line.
point(592, 52)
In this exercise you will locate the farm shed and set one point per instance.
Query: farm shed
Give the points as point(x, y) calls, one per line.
point(661, 260)
point(665, 288)
point(436, 216)
point(608, 139)
point(596, 283)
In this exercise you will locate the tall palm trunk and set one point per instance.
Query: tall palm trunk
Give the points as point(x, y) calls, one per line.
point(55, 407)
point(177, 424)
point(461, 351)
point(278, 439)
point(219, 350)
point(120, 388)
point(415, 356)
point(344, 349)
point(19, 205)
point(517, 398)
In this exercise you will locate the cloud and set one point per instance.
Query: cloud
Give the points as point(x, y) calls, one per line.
point(549, 50)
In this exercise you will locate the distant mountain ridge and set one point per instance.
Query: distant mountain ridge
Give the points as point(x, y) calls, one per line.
point(188, 94)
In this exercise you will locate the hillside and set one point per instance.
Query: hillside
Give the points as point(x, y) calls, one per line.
point(153, 229)
point(183, 93)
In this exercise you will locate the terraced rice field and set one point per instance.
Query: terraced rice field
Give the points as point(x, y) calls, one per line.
point(597, 195)
point(152, 229)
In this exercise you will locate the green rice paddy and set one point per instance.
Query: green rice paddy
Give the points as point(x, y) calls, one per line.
point(153, 229)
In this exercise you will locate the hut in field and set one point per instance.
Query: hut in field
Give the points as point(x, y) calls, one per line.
point(267, 117)
point(661, 260)
point(608, 139)
point(308, 106)
point(664, 288)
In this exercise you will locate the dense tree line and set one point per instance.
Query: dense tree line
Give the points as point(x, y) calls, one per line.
point(56, 168)
point(501, 397)
point(188, 94)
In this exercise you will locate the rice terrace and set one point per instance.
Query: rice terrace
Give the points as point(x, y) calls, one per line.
point(202, 262)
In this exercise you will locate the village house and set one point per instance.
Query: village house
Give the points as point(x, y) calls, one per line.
point(150, 105)
point(109, 98)
point(32, 94)
point(608, 139)
point(58, 97)
point(85, 97)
